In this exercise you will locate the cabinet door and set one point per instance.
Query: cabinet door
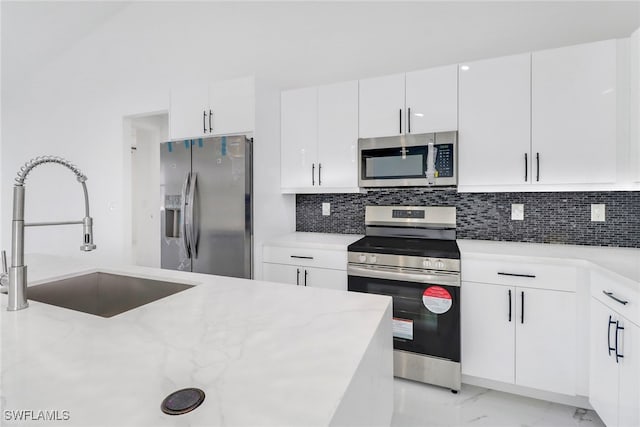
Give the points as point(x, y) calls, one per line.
point(432, 100)
point(232, 104)
point(189, 107)
point(282, 273)
point(603, 370)
point(324, 278)
point(574, 113)
point(488, 334)
point(382, 106)
point(299, 130)
point(546, 340)
point(338, 135)
point(494, 121)
point(629, 368)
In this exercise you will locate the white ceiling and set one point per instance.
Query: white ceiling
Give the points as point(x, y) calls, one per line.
point(313, 42)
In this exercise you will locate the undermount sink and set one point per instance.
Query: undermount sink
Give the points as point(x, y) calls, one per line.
point(103, 294)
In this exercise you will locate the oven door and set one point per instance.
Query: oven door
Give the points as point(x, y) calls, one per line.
point(426, 307)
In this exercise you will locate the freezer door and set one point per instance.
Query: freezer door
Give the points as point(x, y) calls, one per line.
point(175, 169)
point(222, 206)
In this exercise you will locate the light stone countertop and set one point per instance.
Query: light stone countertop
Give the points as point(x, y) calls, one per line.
point(623, 262)
point(330, 241)
point(264, 353)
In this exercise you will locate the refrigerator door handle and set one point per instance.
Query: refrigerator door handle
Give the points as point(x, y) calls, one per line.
point(193, 225)
point(183, 214)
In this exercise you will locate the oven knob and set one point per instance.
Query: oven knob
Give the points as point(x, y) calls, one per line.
point(426, 263)
point(440, 264)
point(373, 259)
point(362, 258)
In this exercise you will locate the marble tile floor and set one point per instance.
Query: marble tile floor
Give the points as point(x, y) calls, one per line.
point(419, 404)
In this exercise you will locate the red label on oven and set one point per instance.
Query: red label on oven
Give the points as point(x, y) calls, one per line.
point(437, 299)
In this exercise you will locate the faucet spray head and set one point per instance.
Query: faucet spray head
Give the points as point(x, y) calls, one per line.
point(87, 229)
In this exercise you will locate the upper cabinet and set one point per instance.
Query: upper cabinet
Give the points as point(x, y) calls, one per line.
point(319, 137)
point(573, 114)
point(416, 102)
point(432, 100)
point(495, 121)
point(542, 118)
point(298, 137)
point(221, 108)
point(382, 106)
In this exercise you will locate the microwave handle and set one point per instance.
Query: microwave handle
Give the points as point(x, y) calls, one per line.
point(400, 122)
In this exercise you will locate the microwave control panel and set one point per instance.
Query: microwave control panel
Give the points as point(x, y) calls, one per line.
point(444, 160)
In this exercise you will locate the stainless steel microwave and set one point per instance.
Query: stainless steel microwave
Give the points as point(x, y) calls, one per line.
point(428, 159)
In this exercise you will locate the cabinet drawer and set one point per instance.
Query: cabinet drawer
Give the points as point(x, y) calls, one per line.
point(321, 258)
point(618, 289)
point(525, 274)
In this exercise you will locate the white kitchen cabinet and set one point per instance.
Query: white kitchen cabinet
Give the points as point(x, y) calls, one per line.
point(546, 340)
point(488, 332)
point(534, 347)
point(319, 137)
point(432, 100)
point(416, 102)
point(614, 382)
point(220, 108)
point(189, 111)
point(338, 135)
point(305, 276)
point(629, 388)
point(573, 128)
point(317, 268)
point(634, 129)
point(382, 106)
point(299, 137)
point(232, 104)
point(494, 121)
point(519, 323)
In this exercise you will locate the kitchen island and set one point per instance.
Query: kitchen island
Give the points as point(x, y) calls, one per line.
point(264, 354)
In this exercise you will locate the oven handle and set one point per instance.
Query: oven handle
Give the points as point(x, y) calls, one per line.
point(404, 275)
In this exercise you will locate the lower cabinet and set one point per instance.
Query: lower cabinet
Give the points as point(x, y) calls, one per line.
point(519, 335)
point(614, 378)
point(305, 266)
point(305, 276)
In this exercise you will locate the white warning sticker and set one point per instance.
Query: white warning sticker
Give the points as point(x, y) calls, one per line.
point(403, 328)
point(437, 299)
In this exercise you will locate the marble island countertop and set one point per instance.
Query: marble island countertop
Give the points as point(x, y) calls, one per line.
point(264, 353)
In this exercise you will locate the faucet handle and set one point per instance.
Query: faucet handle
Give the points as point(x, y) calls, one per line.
point(4, 261)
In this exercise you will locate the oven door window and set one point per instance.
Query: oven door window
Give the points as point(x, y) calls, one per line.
point(394, 163)
point(426, 321)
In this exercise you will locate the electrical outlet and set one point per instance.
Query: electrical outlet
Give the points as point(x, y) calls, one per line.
point(598, 212)
point(517, 211)
point(326, 209)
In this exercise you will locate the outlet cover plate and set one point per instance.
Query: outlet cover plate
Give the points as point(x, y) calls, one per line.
point(517, 211)
point(326, 209)
point(598, 212)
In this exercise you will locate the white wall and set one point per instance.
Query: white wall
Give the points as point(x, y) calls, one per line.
point(73, 104)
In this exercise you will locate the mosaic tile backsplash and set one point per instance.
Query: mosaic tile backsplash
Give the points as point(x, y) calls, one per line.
point(548, 217)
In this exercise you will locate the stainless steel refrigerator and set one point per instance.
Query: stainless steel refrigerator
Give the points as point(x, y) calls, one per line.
point(206, 217)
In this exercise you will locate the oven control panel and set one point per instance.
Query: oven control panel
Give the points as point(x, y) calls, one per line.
point(443, 264)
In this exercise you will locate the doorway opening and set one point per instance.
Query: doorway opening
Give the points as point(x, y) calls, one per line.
point(143, 135)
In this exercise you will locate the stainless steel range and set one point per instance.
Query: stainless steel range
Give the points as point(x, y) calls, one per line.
point(410, 253)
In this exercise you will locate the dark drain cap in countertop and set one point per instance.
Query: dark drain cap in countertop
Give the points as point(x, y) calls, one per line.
point(182, 401)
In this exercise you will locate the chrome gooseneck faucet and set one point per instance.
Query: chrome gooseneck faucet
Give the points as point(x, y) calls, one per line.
point(17, 287)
